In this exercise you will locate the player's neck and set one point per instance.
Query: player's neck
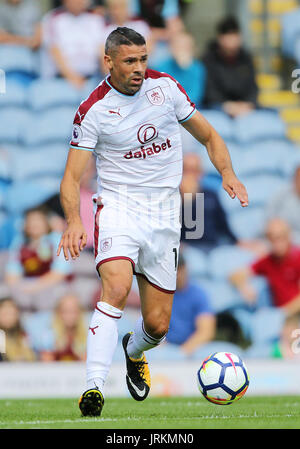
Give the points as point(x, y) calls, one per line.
point(117, 87)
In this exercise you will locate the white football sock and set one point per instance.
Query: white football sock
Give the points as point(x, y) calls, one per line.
point(141, 341)
point(101, 344)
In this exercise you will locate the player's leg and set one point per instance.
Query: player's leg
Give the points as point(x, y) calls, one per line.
point(116, 278)
point(156, 307)
point(149, 332)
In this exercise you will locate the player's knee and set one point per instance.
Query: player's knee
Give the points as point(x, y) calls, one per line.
point(157, 328)
point(116, 293)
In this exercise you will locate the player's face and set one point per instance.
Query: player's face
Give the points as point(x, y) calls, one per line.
point(127, 67)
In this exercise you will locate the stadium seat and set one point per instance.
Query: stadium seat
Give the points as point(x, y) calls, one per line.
point(24, 195)
point(56, 92)
point(5, 165)
point(13, 121)
point(221, 122)
point(8, 229)
point(243, 315)
point(247, 223)
point(208, 167)
point(16, 58)
point(259, 351)
point(259, 125)
point(225, 259)
point(289, 31)
point(221, 294)
point(52, 126)
point(166, 353)
point(217, 346)
point(260, 333)
point(274, 158)
point(261, 189)
point(196, 262)
point(4, 186)
point(39, 161)
point(189, 143)
point(15, 95)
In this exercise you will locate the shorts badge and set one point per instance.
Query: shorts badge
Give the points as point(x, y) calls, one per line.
point(105, 244)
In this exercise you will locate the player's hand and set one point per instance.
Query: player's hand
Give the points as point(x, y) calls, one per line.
point(235, 188)
point(72, 241)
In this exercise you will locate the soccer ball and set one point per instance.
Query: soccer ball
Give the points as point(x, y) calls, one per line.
point(223, 378)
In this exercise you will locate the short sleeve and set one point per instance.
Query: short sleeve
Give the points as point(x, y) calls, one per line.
point(184, 107)
point(84, 134)
point(202, 304)
point(259, 267)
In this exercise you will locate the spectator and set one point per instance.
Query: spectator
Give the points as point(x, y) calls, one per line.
point(216, 228)
point(284, 347)
point(231, 83)
point(286, 205)
point(69, 331)
point(20, 23)
point(281, 268)
point(183, 66)
point(17, 348)
point(33, 267)
point(118, 15)
point(162, 16)
point(75, 54)
point(192, 321)
point(164, 20)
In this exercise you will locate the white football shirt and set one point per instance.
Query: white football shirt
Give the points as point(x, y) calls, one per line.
point(136, 138)
point(79, 38)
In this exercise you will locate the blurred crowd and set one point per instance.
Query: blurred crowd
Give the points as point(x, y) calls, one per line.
point(238, 285)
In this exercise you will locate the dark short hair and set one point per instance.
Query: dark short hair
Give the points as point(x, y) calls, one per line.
point(228, 25)
point(123, 36)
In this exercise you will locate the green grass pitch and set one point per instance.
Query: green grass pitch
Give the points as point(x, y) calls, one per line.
point(155, 413)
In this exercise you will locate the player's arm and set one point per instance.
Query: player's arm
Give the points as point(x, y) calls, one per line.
point(218, 153)
point(70, 200)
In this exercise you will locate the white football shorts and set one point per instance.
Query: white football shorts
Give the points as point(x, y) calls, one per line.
point(147, 233)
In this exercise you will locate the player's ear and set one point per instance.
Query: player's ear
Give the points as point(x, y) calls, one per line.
point(108, 61)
